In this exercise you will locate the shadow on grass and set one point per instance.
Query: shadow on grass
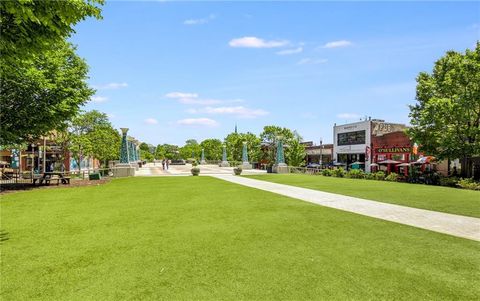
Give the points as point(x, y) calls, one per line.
point(3, 236)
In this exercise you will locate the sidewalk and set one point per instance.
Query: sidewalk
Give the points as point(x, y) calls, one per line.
point(456, 225)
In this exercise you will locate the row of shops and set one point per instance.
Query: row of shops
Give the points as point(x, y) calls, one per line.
point(372, 145)
point(47, 154)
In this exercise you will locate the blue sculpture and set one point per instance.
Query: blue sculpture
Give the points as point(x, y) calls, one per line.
point(124, 146)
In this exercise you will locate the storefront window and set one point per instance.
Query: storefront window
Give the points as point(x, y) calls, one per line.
point(351, 138)
point(398, 157)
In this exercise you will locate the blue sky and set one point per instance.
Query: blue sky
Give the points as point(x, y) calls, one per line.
point(171, 71)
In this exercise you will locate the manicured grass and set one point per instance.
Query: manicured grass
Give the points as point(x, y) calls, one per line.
point(437, 198)
point(199, 238)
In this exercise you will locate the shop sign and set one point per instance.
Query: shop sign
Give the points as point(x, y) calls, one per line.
point(384, 150)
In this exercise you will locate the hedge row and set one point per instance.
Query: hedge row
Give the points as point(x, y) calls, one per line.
point(432, 178)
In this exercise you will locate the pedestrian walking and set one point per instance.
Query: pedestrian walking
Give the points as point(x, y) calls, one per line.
point(163, 164)
point(168, 163)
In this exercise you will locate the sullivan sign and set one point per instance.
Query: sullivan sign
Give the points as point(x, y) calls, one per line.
point(383, 150)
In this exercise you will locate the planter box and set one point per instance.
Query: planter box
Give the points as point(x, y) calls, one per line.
point(94, 176)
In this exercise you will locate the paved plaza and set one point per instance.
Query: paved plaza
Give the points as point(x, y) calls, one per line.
point(155, 169)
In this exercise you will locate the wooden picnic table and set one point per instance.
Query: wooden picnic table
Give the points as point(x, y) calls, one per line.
point(47, 177)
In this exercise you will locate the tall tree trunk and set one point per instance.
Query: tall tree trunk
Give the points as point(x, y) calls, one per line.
point(466, 167)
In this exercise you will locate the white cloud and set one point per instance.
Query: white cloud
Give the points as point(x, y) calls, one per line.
point(239, 111)
point(151, 121)
point(290, 51)
point(337, 44)
point(349, 116)
point(198, 122)
point(197, 101)
point(311, 61)
point(194, 99)
point(181, 95)
point(111, 86)
point(98, 99)
point(199, 21)
point(254, 42)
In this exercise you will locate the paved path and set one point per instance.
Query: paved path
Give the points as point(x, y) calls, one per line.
point(456, 225)
point(151, 169)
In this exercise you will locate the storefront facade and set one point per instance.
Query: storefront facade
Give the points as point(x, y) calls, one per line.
point(317, 153)
point(41, 155)
point(350, 142)
point(370, 141)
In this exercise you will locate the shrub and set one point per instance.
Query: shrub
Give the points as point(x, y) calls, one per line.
point(370, 176)
point(237, 170)
point(327, 172)
point(195, 171)
point(356, 174)
point(449, 181)
point(432, 178)
point(379, 175)
point(338, 172)
point(468, 184)
point(392, 177)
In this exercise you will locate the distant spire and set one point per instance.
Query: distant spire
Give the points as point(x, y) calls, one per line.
point(235, 128)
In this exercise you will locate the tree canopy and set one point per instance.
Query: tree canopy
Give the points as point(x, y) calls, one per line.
point(43, 81)
point(212, 148)
point(43, 93)
point(191, 150)
point(294, 151)
point(91, 134)
point(234, 144)
point(29, 27)
point(167, 151)
point(446, 118)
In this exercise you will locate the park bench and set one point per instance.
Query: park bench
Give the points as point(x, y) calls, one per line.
point(49, 177)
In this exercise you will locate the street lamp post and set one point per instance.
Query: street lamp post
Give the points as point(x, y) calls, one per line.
point(321, 153)
point(33, 157)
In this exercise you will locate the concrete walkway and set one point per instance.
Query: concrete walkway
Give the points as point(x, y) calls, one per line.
point(151, 169)
point(456, 225)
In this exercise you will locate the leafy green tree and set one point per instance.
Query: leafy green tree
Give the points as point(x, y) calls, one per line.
point(104, 143)
point(29, 27)
point(92, 135)
point(234, 144)
point(146, 152)
point(213, 149)
point(42, 94)
point(167, 151)
point(446, 119)
point(190, 148)
point(294, 151)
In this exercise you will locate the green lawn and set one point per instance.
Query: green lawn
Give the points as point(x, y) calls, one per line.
point(443, 199)
point(199, 238)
